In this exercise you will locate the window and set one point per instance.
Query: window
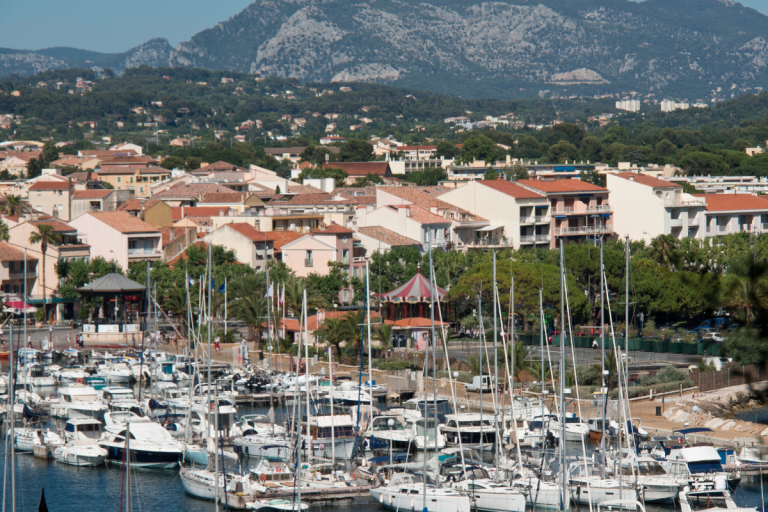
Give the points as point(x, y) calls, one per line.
point(141, 190)
point(131, 179)
point(119, 179)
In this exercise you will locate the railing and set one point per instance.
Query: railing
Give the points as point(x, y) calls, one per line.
point(687, 202)
point(587, 210)
point(542, 218)
point(583, 230)
point(488, 242)
point(676, 223)
point(538, 219)
point(693, 221)
point(345, 260)
point(143, 252)
point(526, 220)
point(542, 238)
point(527, 239)
point(357, 259)
point(308, 262)
point(19, 274)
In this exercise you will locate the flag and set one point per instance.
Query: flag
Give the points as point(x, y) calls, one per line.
point(222, 288)
point(281, 300)
point(270, 292)
point(191, 281)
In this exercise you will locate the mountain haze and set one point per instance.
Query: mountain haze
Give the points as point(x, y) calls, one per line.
point(683, 49)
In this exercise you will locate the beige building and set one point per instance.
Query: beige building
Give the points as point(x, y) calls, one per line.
point(84, 201)
point(646, 207)
point(119, 236)
point(176, 240)
point(136, 180)
point(517, 216)
point(52, 198)
point(251, 246)
point(12, 269)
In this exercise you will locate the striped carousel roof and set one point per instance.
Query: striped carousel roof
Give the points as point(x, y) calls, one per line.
point(415, 290)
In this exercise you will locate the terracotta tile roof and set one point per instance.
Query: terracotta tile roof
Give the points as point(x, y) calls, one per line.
point(422, 215)
point(108, 152)
point(11, 253)
point(510, 189)
point(124, 222)
point(250, 232)
point(81, 176)
point(550, 187)
point(180, 212)
point(387, 236)
point(414, 148)
point(57, 225)
point(109, 170)
point(333, 228)
point(50, 185)
point(314, 322)
point(224, 197)
point(131, 205)
point(361, 168)
point(221, 166)
point(282, 238)
point(91, 194)
point(199, 221)
point(419, 197)
point(733, 202)
point(643, 179)
point(128, 160)
point(302, 189)
point(191, 191)
point(356, 191)
point(306, 200)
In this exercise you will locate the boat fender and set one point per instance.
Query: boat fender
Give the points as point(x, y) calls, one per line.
point(263, 477)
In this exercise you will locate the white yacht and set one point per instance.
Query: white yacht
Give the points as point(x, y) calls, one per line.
point(587, 486)
point(26, 438)
point(575, 428)
point(396, 435)
point(36, 375)
point(422, 431)
point(476, 430)
point(150, 446)
point(709, 500)
point(82, 448)
point(78, 401)
point(263, 446)
point(704, 465)
point(658, 485)
point(407, 492)
point(420, 407)
point(322, 444)
point(542, 430)
point(117, 397)
point(489, 495)
point(117, 373)
point(70, 375)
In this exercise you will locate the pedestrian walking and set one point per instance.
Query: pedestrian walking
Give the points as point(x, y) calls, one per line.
point(216, 343)
point(594, 344)
point(29, 341)
point(69, 341)
point(133, 340)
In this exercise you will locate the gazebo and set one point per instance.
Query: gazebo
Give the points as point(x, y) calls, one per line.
point(404, 300)
point(123, 305)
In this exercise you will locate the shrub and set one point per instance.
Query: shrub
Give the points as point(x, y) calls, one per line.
point(463, 376)
point(397, 364)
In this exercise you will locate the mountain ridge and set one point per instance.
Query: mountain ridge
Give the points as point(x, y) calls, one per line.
point(689, 49)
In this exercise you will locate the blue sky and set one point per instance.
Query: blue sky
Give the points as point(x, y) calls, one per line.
point(108, 26)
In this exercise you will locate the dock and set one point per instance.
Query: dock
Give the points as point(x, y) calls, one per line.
point(259, 399)
point(318, 497)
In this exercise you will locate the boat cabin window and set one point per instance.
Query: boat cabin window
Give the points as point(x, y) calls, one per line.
point(426, 427)
point(323, 432)
point(475, 474)
point(382, 424)
point(428, 409)
point(572, 419)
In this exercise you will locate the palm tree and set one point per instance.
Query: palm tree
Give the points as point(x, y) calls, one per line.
point(665, 250)
point(253, 311)
point(44, 235)
point(176, 303)
point(747, 297)
point(294, 295)
point(356, 319)
point(15, 205)
point(4, 234)
point(335, 331)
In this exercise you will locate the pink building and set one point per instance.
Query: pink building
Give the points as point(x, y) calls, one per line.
point(578, 210)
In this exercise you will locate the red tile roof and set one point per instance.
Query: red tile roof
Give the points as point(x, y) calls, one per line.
point(91, 194)
point(553, 187)
point(57, 225)
point(416, 322)
point(387, 236)
point(422, 215)
point(124, 222)
point(334, 228)
point(414, 148)
point(180, 212)
point(282, 238)
point(733, 202)
point(648, 181)
point(11, 253)
point(224, 197)
point(250, 232)
point(361, 168)
point(50, 185)
point(510, 189)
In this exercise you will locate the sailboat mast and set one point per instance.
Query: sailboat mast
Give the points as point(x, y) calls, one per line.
point(432, 285)
point(11, 413)
point(306, 375)
point(604, 389)
point(512, 380)
point(542, 327)
point(626, 311)
point(370, 357)
point(564, 495)
point(297, 410)
point(496, 371)
point(333, 431)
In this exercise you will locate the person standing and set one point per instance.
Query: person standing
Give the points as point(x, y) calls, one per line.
point(69, 341)
point(216, 343)
point(29, 341)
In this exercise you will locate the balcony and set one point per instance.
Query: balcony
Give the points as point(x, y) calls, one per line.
point(542, 239)
point(490, 242)
point(676, 223)
point(583, 230)
point(588, 210)
point(309, 262)
point(526, 240)
point(143, 252)
point(680, 203)
point(19, 274)
point(693, 221)
point(542, 219)
point(359, 259)
point(525, 221)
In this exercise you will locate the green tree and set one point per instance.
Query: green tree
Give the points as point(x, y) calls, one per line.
point(356, 150)
point(591, 149)
point(563, 151)
point(44, 235)
point(335, 331)
point(516, 172)
point(446, 149)
point(4, 234)
point(428, 177)
point(700, 163)
point(665, 148)
point(479, 147)
point(173, 162)
point(741, 145)
point(665, 250)
point(594, 177)
point(615, 135)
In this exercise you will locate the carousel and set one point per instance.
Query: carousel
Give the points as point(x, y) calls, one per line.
point(406, 308)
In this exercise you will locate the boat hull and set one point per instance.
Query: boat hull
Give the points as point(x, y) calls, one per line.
point(82, 458)
point(392, 500)
point(144, 458)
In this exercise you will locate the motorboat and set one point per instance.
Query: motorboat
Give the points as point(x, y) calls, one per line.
point(514, 429)
point(422, 432)
point(597, 425)
point(704, 465)
point(274, 448)
point(70, 375)
point(275, 505)
point(202, 414)
point(36, 375)
point(391, 431)
point(422, 407)
point(117, 373)
point(150, 445)
point(329, 432)
point(260, 425)
point(118, 397)
point(489, 495)
point(26, 438)
point(201, 483)
point(116, 421)
point(543, 431)
point(78, 401)
point(575, 428)
point(752, 456)
point(709, 500)
point(476, 430)
point(82, 444)
point(658, 485)
point(406, 491)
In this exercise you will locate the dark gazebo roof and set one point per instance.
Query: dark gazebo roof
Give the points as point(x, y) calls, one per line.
point(112, 284)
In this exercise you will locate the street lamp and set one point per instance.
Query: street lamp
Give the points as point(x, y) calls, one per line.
point(391, 424)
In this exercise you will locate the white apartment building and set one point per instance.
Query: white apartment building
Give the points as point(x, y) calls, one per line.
point(628, 105)
point(725, 184)
point(671, 106)
point(734, 213)
point(407, 220)
point(645, 207)
point(517, 216)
